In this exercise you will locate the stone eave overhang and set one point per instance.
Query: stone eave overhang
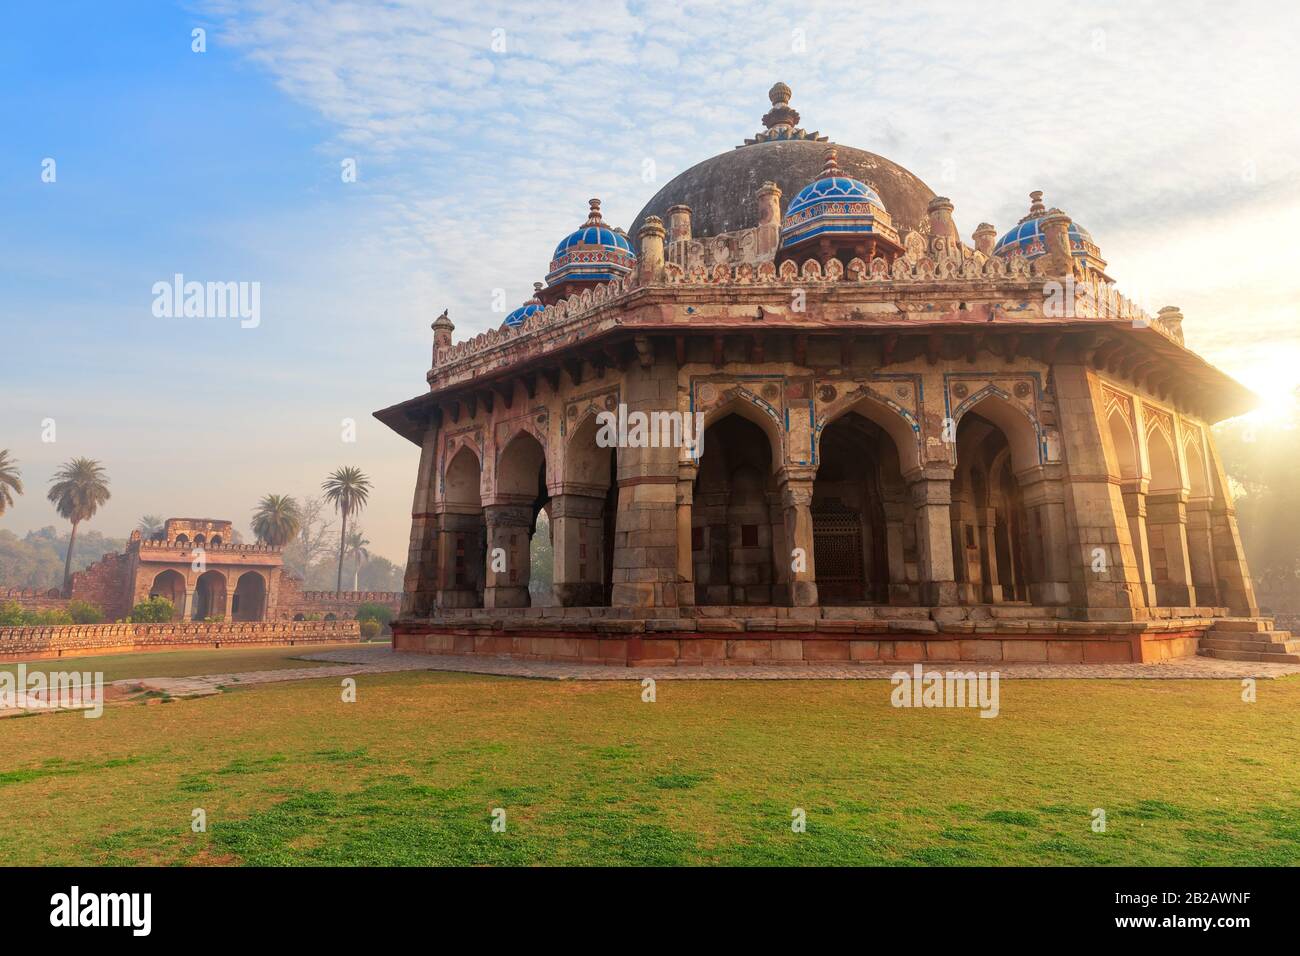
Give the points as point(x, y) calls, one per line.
point(1130, 345)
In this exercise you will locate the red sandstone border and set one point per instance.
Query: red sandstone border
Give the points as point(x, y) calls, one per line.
point(38, 643)
point(698, 647)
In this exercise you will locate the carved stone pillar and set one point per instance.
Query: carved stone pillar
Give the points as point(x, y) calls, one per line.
point(1200, 550)
point(988, 525)
point(1135, 505)
point(579, 533)
point(509, 529)
point(420, 584)
point(796, 508)
point(932, 502)
point(459, 542)
point(1167, 528)
point(1095, 501)
point(1043, 494)
point(685, 539)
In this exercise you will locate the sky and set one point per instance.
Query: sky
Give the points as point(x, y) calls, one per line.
point(478, 132)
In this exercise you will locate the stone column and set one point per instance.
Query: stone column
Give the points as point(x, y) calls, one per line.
point(900, 587)
point(420, 584)
point(685, 544)
point(988, 525)
point(796, 509)
point(460, 558)
point(1135, 506)
point(645, 550)
point(187, 602)
point(1167, 528)
point(579, 531)
point(509, 528)
point(1200, 550)
point(1230, 570)
point(1103, 570)
point(932, 501)
point(1043, 494)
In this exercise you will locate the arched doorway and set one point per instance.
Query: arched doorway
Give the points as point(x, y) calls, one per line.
point(463, 541)
point(998, 551)
point(736, 517)
point(1167, 521)
point(521, 495)
point(170, 584)
point(209, 596)
point(859, 511)
point(249, 603)
point(584, 516)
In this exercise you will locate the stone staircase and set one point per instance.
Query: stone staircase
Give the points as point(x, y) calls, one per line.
point(1249, 639)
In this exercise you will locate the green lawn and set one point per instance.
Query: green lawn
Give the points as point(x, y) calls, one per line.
point(587, 773)
point(187, 663)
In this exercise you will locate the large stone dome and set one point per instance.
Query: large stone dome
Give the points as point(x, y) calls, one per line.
point(723, 191)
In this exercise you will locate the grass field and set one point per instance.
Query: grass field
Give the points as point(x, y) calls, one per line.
point(710, 773)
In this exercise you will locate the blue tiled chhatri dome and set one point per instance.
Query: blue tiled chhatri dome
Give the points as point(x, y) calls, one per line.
point(835, 206)
point(591, 253)
point(1026, 237)
point(521, 314)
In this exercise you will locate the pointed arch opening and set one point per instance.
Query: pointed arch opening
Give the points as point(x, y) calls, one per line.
point(998, 543)
point(209, 596)
point(860, 515)
point(462, 542)
point(249, 602)
point(170, 584)
point(736, 518)
point(583, 519)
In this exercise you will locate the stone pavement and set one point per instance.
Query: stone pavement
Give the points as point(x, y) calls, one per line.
point(1188, 668)
point(353, 662)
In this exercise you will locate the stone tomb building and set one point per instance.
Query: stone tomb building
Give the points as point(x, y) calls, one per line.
point(196, 564)
point(915, 447)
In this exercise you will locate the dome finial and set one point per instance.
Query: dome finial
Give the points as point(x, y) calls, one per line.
point(832, 168)
point(593, 216)
point(1036, 207)
point(781, 118)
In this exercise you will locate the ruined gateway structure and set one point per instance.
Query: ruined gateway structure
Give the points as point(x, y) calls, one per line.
point(196, 564)
point(914, 448)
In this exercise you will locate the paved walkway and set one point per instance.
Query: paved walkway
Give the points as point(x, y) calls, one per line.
point(1191, 668)
point(353, 662)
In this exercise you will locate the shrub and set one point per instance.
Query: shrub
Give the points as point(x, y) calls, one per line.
point(156, 610)
point(374, 612)
point(370, 628)
point(48, 618)
point(83, 612)
point(12, 614)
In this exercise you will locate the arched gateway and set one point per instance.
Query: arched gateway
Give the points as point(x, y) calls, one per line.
point(837, 431)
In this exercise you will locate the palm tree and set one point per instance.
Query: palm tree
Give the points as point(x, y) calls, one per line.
point(348, 490)
point(150, 526)
point(77, 490)
point(277, 520)
point(11, 482)
point(356, 549)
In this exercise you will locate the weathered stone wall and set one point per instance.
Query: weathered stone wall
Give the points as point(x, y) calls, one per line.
point(293, 600)
point(106, 584)
point(35, 599)
point(26, 643)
